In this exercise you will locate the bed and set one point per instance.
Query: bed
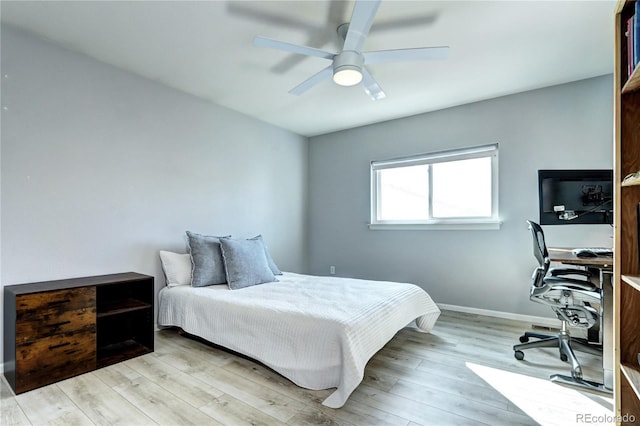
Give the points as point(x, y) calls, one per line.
point(319, 332)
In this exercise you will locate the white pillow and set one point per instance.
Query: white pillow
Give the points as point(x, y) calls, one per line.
point(176, 267)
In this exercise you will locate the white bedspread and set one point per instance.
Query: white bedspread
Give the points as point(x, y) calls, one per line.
point(319, 332)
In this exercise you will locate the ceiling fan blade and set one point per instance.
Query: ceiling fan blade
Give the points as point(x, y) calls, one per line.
point(371, 86)
point(239, 8)
point(410, 21)
point(291, 61)
point(315, 38)
point(289, 47)
point(364, 11)
point(312, 81)
point(406, 55)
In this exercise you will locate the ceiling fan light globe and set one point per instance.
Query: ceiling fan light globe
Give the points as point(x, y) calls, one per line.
point(347, 75)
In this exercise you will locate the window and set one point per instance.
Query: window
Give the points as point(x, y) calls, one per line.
point(450, 189)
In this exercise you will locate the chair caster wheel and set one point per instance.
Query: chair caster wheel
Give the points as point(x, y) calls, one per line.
point(519, 355)
point(524, 339)
point(563, 358)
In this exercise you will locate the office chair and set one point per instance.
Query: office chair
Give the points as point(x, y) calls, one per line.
point(571, 295)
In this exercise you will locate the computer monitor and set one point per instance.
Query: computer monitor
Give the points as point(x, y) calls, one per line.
point(569, 197)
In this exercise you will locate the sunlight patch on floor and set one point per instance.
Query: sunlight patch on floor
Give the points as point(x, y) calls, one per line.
point(548, 403)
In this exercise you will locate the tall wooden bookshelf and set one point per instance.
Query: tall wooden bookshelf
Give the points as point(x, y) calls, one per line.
point(627, 200)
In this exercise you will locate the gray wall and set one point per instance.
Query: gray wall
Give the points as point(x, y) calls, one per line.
point(567, 126)
point(101, 169)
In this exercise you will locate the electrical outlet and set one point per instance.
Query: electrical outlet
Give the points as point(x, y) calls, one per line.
point(332, 270)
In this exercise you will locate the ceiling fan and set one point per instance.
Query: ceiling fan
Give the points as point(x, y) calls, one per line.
point(348, 66)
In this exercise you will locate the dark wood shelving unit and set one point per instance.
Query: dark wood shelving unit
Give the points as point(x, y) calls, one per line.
point(626, 266)
point(54, 330)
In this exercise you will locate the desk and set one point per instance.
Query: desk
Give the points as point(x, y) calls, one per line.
point(565, 255)
point(602, 267)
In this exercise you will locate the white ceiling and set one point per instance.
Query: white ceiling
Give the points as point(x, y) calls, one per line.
point(205, 48)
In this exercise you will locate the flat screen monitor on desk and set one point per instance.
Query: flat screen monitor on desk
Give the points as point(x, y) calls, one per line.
point(569, 197)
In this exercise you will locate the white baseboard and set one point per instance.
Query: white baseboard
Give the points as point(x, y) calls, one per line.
point(542, 321)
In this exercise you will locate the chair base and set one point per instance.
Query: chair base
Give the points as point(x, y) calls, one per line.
point(581, 383)
point(565, 344)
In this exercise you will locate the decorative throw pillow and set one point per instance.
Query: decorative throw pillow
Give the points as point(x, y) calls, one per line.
point(206, 260)
point(245, 263)
point(272, 265)
point(176, 268)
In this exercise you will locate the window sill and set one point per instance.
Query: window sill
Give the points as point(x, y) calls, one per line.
point(461, 225)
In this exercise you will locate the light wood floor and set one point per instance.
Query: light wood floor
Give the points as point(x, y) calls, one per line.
point(463, 372)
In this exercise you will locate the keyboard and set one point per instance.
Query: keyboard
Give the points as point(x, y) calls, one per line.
point(593, 252)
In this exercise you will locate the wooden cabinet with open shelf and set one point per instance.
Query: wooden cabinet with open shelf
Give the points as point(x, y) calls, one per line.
point(54, 330)
point(627, 201)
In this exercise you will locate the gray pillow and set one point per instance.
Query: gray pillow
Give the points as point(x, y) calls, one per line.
point(272, 264)
point(245, 263)
point(206, 260)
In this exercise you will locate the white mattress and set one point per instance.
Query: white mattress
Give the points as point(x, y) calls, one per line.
point(319, 332)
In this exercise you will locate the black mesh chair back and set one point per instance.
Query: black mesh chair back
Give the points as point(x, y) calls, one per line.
point(539, 246)
point(541, 254)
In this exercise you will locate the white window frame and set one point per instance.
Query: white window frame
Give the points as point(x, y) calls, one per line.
point(490, 222)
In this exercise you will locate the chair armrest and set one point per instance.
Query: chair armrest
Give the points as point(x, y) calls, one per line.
point(570, 282)
point(569, 271)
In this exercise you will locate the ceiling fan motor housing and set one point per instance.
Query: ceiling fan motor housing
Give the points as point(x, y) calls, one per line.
point(347, 68)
